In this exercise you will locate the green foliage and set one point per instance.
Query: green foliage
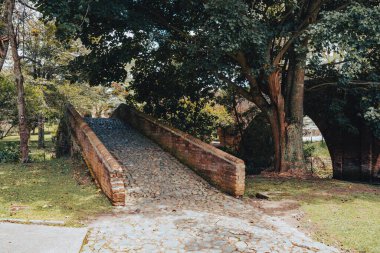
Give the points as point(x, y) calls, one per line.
point(44, 56)
point(370, 110)
point(8, 109)
point(192, 119)
point(345, 46)
point(182, 48)
point(350, 36)
point(9, 152)
point(80, 95)
point(308, 150)
point(186, 115)
point(197, 38)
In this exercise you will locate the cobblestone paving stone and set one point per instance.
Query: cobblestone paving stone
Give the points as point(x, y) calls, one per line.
point(171, 209)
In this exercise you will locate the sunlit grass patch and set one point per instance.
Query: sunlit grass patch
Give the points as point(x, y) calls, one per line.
point(47, 189)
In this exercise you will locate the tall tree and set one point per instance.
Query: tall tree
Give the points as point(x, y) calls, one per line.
point(257, 47)
point(19, 79)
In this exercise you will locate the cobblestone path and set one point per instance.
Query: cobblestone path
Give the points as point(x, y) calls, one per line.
point(171, 209)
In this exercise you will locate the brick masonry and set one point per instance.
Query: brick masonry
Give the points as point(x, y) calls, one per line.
point(107, 172)
point(221, 169)
point(355, 156)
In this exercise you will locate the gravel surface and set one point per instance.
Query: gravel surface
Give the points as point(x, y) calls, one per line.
point(171, 209)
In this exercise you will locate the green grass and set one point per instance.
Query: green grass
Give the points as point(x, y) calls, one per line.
point(48, 189)
point(344, 214)
point(319, 149)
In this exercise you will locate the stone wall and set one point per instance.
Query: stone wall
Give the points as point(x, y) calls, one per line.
point(355, 155)
point(222, 170)
point(104, 168)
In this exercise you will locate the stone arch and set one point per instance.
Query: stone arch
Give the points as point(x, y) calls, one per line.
point(354, 150)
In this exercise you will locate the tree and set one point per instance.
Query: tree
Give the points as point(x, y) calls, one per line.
point(45, 61)
point(345, 47)
point(4, 38)
point(19, 79)
point(259, 48)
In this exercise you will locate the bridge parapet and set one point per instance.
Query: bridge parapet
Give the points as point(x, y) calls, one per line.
point(221, 169)
point(107, 172)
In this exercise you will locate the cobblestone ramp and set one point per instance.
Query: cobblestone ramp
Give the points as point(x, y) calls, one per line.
point(171, 209)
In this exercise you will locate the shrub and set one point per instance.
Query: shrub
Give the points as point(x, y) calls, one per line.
point(9, 152)
point(308, 150)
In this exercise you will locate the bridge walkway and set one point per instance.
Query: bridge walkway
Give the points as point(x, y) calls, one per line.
point(171, 209)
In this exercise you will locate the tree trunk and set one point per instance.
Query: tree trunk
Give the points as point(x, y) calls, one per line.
point(4, 34)
point(276, 127)
point(287, 131)
point(19, 79)
point(291, 125)
point(295, 114)
point(5, 134)
point(41, 131)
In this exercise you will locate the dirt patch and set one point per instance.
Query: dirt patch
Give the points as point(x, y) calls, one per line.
point(287, 209)
point(82, 175)
point(295, 174)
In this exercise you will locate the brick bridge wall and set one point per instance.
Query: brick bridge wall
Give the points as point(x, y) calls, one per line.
point(222, 170)
point(355, 156)
point(104, 168)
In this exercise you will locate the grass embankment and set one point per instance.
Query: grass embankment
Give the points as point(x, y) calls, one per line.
point(48, 188)
point(343, 214)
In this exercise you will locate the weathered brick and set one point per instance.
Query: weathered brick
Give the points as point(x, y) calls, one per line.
point(97, 157)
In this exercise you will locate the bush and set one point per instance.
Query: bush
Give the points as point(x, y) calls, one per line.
point(256, 147)
point(9, 152)
point(308, 150)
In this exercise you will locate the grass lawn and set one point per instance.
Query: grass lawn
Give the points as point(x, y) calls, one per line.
point(48, 188)
point(343, 214)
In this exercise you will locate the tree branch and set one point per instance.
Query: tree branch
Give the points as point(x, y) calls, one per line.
point(253, 96)
point(240, 90)
point(301, 28)
point(162, 21)
point(30, 59)
point(359, 83)
point(4, 134)
point(27, 5)
point(334, 63)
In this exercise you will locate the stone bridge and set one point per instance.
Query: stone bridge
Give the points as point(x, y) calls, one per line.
point(169, 207)
point(111, 159)
point(355, 154)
